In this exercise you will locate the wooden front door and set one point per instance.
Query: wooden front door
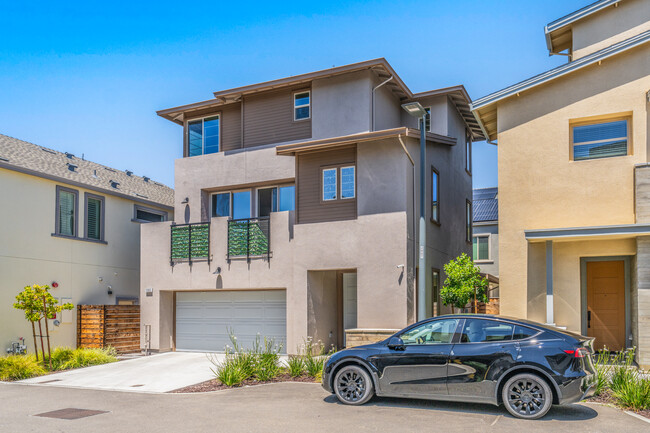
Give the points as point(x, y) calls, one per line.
point(606, 304)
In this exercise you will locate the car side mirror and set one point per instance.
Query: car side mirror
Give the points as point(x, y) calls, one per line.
point(395, 343)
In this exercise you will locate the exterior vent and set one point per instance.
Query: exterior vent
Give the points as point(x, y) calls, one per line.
point(69, 155)
point(146, 179)
point(114, 184)
point(140, 195)
point(110, 169)
point(128, 172)
point(48, 150)
point(4, 159)
point(95, 174)
point(72, 167)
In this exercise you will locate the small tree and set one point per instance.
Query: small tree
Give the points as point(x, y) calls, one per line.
point(463, 283)
point(38, 303)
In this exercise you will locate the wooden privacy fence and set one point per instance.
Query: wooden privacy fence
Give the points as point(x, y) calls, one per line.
point(101, 326)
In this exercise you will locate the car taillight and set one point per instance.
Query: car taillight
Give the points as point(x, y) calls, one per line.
point(578, 353)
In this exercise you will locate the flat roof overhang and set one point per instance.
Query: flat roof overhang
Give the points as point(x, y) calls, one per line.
point(624, 231)
point(346, 140)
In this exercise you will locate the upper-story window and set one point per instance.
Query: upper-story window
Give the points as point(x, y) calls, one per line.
point(66, 211)
point(600, 139)
point(427, 119)
point(435, 196)
point(302, 105)
point(143, 214)
point(468, 221)
point(203, 136)
point(468, 151)
point(94, 217)
point(330, 189)
point(275, 199)
point(481, 247)
point(238, 204)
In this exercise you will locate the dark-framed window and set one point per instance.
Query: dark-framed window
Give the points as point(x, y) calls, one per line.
point(302, 105)
point(600, 139)
point(144, 214)
point(481, 247)
point(435, 195)
point(67, 209)
point(274, 199)
point(94, 206)
point(468, 221)
point(203, 135)
point(468, 151)
point(427, 119)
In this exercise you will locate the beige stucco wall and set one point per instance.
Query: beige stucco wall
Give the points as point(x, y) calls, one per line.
point(29, 254)
point(540, 187)
point(609, 26)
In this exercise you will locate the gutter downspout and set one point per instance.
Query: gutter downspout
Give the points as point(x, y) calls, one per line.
point(399, 137)
point(373, 102)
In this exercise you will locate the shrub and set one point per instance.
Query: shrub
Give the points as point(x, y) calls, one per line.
point(633, 394)
point(83, 357)
point(603, 369)
point(17, 367)
point(60, 356)
point(229, 372)
point(296, 366)
point(314, 365)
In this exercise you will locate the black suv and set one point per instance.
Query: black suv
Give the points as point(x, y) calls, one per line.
point(476, 358)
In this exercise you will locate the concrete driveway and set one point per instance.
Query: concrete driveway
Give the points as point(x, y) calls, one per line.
point(284, 407)
point(155, 373)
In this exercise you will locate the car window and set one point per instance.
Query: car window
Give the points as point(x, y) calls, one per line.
point(522, 332)
point(481, 331)
point(436, 332)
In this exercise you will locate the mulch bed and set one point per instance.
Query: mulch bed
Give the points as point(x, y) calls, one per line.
point(606, 397)
point(215, 385)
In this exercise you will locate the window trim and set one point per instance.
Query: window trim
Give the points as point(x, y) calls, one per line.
point(595, 120)
point(468, 222)
point(213, 194)
point(435, 220)
point(137, 207)
point(489, 238)
point(322, 185)
point(57, 210)
point(187, 133)
point(468, 151)
point(102, 214)
point(293, 104)
point(354, 167)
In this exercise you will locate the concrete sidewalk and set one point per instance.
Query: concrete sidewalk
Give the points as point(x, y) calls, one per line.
point(155, 373)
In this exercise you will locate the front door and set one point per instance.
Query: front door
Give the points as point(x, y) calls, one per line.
point(606, 304)
point(420, 369)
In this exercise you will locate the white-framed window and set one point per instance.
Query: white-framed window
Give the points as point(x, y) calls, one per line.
point(481, 247)
point(302, 105)
point(348, 181)
point(203, 135)
point(600, 139)
point(329, 184)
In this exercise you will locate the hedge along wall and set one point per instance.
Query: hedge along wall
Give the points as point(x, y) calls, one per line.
point(100, 326)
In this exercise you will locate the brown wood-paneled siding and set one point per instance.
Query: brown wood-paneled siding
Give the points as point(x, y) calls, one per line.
point(310, 207)
point(230, 123)
point(268, 118)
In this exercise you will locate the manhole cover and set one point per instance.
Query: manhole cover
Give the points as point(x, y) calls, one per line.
point(71, 413)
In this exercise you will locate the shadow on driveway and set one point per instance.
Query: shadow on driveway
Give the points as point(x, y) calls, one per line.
point(572, 412)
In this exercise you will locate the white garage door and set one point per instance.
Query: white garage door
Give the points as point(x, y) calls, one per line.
point(203, 319)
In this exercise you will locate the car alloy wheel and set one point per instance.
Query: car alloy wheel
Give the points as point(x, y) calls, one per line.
point(353, 385)
point(527, 396)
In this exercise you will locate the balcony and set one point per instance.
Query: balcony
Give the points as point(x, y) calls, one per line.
point(249, 238)
point(190, 243)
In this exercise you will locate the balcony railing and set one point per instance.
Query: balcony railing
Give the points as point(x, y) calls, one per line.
point(249, 237)
point(190, 243)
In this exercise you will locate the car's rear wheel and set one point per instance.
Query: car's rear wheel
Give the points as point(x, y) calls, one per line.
point(353, 385)
point(527, 396)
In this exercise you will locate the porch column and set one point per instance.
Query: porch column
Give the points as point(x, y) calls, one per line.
point(549, 283)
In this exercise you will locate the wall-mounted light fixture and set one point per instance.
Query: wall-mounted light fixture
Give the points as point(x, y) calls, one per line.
point(110, 290)
point(186, 200)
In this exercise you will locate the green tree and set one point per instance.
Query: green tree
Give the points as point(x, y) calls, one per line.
point(38, 303)
point(463, 283)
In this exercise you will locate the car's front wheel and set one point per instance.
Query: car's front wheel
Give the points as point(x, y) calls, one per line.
point(353, 385)
point(527, 396)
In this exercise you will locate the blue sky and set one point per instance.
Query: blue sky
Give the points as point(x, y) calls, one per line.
point(88, 78)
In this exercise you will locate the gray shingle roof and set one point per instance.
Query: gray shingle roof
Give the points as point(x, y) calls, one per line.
point(33, 159)
point(485, 205)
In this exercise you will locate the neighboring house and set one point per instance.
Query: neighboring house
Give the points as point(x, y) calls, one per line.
point(574, 179)
point(302, 193)
point(485, 240)
point(71, 224)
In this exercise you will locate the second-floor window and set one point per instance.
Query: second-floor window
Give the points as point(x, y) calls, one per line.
point(435, 196)
point(427, 119)
point(332, 189)
point(468, 221)
point(468, 151)
point(203, 136)
point(66, 211)
point(94, 217)
point(602, 139)
point(302, 105)
point(481, 248)
point(275, 199)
